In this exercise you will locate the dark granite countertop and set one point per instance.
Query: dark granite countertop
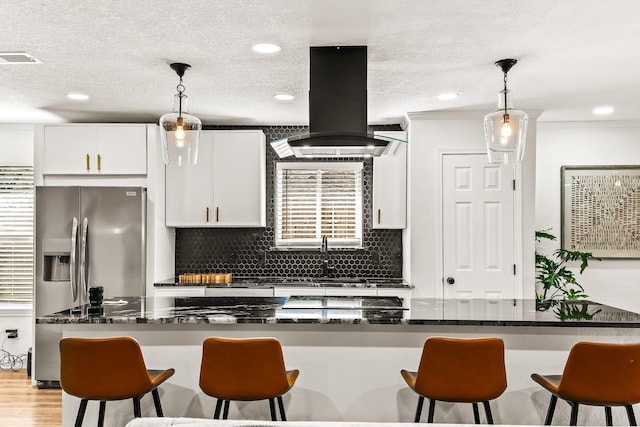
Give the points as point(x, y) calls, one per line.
point(270, 282)
point(345, 310)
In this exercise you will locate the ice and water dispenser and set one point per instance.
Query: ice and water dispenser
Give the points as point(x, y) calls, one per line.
point(57, 257)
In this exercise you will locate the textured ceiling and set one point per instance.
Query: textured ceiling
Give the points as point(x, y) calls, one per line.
point(573, 55)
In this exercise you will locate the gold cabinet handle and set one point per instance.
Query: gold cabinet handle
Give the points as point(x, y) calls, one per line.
point(378, 216)
point(88, 163)
point(217, 214)
point(207, 214)
point(99, 166)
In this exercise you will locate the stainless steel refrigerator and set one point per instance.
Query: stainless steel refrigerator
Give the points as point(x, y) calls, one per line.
point(85, 236)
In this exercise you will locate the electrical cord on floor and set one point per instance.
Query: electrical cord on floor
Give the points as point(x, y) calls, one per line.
point(11, 362)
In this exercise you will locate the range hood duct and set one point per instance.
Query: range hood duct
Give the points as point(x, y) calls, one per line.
point(337, 109)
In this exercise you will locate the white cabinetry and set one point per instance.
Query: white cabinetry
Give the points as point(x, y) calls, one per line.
point(86, 149)
point(179, 291)
point(390, 187)
point(226, 188)
point(238, 292)
point(405, 294)
point(350, 292)
point(289, 290)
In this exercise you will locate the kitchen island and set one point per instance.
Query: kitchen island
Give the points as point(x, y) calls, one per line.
point(349, 351)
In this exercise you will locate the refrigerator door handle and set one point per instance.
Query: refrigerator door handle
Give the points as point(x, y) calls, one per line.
point(84, 283)
point(72, 263)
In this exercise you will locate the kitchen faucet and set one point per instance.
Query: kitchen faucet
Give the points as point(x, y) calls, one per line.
point(327, 268)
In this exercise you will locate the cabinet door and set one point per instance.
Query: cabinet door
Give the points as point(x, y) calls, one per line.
point(121, 149)
point(189, 189)
point(405, 294)
point(287, 291)
point(239, 179)
point(179, 291)
point(350, 292)
point(390, 189)
point(238, 292)
point(68, 149)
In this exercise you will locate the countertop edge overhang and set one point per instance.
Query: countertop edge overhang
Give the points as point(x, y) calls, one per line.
point(270, 311)
point(274, 321)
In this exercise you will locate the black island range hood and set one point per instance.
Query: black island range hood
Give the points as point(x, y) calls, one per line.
point(337, 109)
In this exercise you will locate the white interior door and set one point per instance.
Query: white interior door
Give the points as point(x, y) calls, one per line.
point(478, 228)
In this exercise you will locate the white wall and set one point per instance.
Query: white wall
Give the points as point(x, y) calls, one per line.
point(16, 145)
point(429, 135)
point(23, 323)
point(16, 149)
point(611, 281)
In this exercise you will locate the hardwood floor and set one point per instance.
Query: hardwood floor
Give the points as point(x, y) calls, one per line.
point(25, 406)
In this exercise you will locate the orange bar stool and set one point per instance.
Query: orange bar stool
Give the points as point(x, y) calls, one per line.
point(107, 369)
point(245, 369)
point(597, 374)
point(459, 370)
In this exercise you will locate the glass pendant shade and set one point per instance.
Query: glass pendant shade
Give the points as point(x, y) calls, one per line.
point(180, 133)
point(505, 131)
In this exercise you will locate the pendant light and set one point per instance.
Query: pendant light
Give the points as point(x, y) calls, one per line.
point(180, 131)
point(505, 129)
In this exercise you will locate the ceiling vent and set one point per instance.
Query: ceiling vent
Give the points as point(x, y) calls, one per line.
point(18, 58)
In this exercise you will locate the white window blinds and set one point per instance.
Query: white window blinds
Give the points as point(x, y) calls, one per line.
point(318, 199)
point(16, 233)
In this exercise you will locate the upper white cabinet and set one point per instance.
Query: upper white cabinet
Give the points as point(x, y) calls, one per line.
point(226, 188)
point(107, 149)
point(390, 187)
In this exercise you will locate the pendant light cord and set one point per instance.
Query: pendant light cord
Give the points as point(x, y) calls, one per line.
point(505, 96)
point(180, 89)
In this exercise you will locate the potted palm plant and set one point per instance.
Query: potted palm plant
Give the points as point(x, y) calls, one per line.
point(557, 285)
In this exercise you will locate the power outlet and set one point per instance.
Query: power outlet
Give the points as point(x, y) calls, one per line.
point(12, 333)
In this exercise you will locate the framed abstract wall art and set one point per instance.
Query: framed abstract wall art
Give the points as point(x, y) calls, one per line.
point(600, 210)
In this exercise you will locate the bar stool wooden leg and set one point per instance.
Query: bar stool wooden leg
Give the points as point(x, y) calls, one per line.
point(216, 413)
point(81, 411)
point(225, 413)
point(283, 417)
point(574, 413)
point(631, 415)
point(432, 410)
point(103, 405)
point(156, 402)
point(416, 419)
point(607, 415)
point(487, 411)
point(476, 413)
point(551, 410)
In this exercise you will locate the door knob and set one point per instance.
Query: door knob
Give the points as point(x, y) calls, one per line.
point(451, 280)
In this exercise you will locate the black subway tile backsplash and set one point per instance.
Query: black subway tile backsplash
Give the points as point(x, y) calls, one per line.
point(248, 251)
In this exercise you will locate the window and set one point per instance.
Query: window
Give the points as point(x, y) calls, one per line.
point(16, 233)
point(318, 199)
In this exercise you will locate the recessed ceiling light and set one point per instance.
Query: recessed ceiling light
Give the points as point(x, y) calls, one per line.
point(447, 96)
point(284, 97)
point(603, 110)
point(266, 48)
point(78, 96)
